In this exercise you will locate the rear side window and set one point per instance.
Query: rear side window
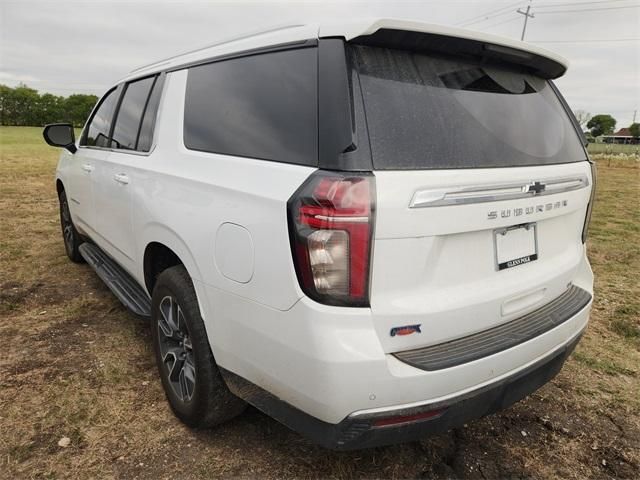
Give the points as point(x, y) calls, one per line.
point(97, 132)
point(145, 138)
point(129, 118)
point(428, 111)
point(261, 106)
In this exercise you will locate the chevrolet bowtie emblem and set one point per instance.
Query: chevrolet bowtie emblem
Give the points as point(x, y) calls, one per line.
point(535, 187)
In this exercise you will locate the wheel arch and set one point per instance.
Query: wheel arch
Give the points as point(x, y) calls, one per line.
point(164, 249)
point(157, 258)
point(158, 239)
point(59, 186)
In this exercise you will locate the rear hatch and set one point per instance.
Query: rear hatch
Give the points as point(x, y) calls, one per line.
point(482, 187)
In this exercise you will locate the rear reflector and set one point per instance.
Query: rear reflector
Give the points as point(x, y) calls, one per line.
point(330, 224)
point(594, 182)
point(398, 420)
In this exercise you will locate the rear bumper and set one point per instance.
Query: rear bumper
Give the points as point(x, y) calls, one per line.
point(359, 430)
point(328, 362)
point(494, 340)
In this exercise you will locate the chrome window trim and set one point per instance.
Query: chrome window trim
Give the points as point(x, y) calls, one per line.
point(464, 195)
point(118, 150)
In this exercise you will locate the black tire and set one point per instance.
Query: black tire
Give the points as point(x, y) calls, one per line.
point(72, 239)
point(196, 393)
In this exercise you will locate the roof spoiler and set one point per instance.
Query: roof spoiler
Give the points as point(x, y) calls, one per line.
point(485, 51)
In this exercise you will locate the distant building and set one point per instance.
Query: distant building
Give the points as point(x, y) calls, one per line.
point(621, 136)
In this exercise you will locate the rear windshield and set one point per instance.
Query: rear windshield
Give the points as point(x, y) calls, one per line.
point(428, 111)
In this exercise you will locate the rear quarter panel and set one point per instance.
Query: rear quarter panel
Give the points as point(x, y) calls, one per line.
point(181, 198)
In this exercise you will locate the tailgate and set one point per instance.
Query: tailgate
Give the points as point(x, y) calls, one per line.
point(439, 246)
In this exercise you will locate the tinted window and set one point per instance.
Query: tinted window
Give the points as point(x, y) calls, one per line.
point(98, 129)
point(443, 112)
point(129, 118)
point(262, 106)
point(148, 122)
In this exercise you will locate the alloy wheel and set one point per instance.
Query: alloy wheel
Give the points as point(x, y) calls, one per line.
point(176, 349)
point(67, 226)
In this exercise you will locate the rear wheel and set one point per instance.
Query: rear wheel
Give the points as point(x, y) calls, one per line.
point(190, 377)
point(71, 237)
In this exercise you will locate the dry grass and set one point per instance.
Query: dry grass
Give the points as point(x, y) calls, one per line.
point(76, 364)
point(614, 149)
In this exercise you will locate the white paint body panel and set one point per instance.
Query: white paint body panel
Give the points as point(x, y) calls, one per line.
point(347, 29)
point(436, 266)
point(225, 218)
point(236, 239)
point(367, 26)
point(329, 362)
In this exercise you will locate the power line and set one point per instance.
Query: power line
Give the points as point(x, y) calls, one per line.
point(573, 4)
point(588, 9)
point(490, 17)
point(506, 10)
point(485, 16)
point(500, 23)
point(496, 13)
point(603, 40)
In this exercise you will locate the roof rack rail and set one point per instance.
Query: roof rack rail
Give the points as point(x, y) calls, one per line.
point(230, 40)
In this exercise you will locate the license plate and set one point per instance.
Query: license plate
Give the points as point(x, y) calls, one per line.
point(515, 246)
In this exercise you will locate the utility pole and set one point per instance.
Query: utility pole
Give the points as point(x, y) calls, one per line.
point(527, 16)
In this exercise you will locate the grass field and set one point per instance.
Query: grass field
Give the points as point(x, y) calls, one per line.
point(75, 364)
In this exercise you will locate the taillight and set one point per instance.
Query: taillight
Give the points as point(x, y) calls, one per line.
point(331, 226)
point(402, 419)
point(587, 220)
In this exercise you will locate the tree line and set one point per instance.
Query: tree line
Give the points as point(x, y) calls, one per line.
point(24, 106)
point(602, 124)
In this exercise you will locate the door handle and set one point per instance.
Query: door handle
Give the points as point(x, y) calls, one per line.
point(121, 178)
point(87, 167)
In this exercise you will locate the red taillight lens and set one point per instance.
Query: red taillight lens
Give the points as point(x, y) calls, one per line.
point(331, 223)
point(402, 419)
point(587, 220)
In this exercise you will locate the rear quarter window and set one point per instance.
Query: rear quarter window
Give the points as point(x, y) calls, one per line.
point(261, 106)
point(428, 111)
point(129, 117)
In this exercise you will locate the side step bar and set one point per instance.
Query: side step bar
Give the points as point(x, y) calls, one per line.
point(132, 295)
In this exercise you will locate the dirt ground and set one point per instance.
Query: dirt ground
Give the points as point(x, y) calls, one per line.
point(76, 364)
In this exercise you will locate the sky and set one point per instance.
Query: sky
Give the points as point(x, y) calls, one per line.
point(65, 47)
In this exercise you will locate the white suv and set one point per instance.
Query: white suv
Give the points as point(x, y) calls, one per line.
point(371, 231)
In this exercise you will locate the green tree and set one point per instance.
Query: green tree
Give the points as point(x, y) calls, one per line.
point(634, 128)
point(22, 105)
point(6, 105)
point(25, 105)
point(602, 124)
point(50, 108)
point(77, 108)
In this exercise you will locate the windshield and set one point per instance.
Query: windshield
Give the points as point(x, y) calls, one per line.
point(426, 111)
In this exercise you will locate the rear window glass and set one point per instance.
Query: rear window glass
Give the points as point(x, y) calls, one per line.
point(261, 106)
point(433, 112)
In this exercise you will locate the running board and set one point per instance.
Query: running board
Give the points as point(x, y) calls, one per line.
point(117, 279)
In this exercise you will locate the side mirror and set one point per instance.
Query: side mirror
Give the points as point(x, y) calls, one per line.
point(60, 135)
